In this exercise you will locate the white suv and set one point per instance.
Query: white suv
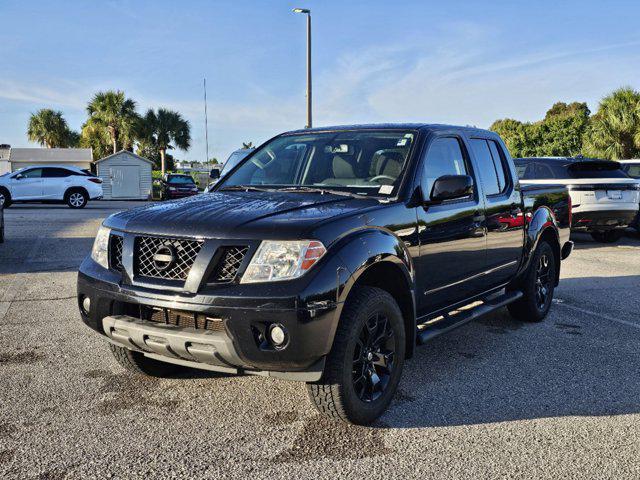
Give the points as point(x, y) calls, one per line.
point(50, 184)
point(604, 197)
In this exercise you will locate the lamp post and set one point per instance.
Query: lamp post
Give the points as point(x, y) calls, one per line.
point(307, 12)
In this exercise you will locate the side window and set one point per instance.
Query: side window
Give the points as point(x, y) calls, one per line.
point(486, 166)
point(499, 163)
point(444, 157)
point(55, 173)
point(33, 173)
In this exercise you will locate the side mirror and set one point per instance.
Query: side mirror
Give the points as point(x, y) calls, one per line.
point(451, 187)
point(19, 176)
point(214, 174)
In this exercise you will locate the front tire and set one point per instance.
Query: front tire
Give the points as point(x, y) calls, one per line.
point(537, 286)
point(608, 236)
point(5, 198)
point(77, 199)
point(365, 364)
point(137, 363)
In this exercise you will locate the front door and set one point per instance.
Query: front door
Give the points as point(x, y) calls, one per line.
point(28, 186)
point(452, 234)
point(125, 181)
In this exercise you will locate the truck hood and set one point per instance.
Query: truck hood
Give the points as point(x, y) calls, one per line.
point(238, 215)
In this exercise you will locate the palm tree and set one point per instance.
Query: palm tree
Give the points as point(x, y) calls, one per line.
point(614, 132)
point(115, 114)
point(165, 130)
point(50, 129)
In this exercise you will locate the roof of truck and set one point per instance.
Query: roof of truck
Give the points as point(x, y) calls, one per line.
point(389, 126)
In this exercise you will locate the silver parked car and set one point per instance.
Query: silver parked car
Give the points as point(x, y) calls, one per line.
point(234, 159)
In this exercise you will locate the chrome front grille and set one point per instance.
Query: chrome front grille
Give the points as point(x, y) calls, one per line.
point(149, 250)
point(229, 264)
point(115, 253)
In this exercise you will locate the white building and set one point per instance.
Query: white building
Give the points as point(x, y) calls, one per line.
point(125, 176)
point(12, 159)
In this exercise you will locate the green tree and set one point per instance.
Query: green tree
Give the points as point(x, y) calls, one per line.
point(50, 129)
point(522, 139)
point(562, 131)
point(112, 116)
point(165, 130)
point(614, 132)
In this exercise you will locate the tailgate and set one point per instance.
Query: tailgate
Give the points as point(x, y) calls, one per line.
point(612, 191)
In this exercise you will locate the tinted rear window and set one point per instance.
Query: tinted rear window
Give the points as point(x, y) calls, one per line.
point(595, 170)
point(632, 169)
point(543, 169)
point(182, 180)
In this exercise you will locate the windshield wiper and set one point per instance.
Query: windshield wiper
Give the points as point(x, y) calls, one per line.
point(320, 190)
point(244, 188)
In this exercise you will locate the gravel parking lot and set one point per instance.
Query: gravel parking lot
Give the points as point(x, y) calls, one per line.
point(496, 398)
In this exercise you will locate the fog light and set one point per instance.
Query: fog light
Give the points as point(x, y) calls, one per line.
point(277, 334)
point(86, 305)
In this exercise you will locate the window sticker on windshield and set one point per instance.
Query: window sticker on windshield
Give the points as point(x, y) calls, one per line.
point(402, 142)
point(385, 189)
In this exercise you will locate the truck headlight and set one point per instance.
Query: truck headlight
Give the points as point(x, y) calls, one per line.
point(282, 260)
point(100, 250)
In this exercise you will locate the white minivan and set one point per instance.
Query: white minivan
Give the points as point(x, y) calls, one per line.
point(50, 184)
point(604, 198)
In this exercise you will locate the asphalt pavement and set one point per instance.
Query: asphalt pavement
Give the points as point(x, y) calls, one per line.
point(494, 399)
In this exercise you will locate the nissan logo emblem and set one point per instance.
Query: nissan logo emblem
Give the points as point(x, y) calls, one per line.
point(164, 257)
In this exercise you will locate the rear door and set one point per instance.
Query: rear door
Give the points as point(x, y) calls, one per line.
point(503, 207)
point(452, 251)
point(28, 186)
point(55, 182)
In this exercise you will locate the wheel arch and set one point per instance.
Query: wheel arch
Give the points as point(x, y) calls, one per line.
point(543, 226)
point(377, 258)
point(70, 190)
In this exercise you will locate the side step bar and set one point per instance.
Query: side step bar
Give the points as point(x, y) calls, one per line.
point(449, 322)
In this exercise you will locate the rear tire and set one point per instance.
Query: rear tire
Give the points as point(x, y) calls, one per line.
point(364, 366)
point(5, 198)
point(537, 286)
point(137, 363)
point(76, 199)
point(608, 236)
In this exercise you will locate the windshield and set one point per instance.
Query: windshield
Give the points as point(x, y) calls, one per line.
point(180, 179)
point(362, 162)
point(234, 159)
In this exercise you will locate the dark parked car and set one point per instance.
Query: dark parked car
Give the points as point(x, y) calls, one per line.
point(175, 185)
point(326, 257)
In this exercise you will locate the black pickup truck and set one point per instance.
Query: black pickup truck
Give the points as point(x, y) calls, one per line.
point(326, 256)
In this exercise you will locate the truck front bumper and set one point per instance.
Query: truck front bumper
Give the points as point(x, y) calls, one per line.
point(239, 344)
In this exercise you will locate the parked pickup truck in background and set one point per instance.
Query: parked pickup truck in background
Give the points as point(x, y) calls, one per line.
point(326, 256)
point(604, 198)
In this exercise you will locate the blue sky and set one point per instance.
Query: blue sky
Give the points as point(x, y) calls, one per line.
point(374, 61)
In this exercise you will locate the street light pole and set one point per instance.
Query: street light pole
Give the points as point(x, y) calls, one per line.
point(307, 12)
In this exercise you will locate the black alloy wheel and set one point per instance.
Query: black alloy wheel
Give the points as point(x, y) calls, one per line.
point(373, 358)
point(544, 280)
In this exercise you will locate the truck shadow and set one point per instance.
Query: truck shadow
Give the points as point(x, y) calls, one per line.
point(498, 369)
